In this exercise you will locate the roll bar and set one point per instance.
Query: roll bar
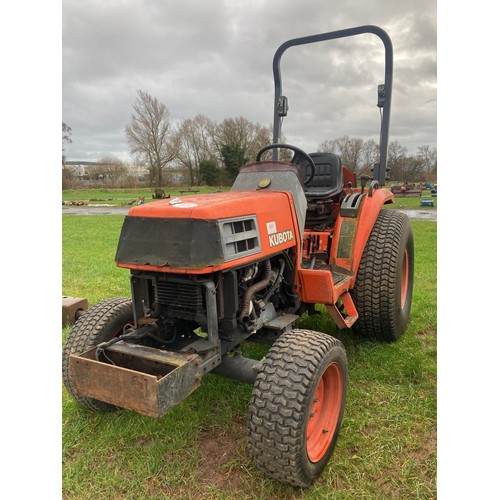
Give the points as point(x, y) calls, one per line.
point(385, 91)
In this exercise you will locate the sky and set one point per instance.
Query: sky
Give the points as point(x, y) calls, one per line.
point(215, 58)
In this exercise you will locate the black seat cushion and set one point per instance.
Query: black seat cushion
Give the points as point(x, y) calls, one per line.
point(328, 179)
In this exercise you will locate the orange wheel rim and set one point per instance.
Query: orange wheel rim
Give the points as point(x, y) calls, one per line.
point(404, 279)
point(324, 412)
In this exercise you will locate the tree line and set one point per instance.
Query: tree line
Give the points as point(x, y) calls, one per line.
point(211, 153)
point(206, 151)
point(359, 156)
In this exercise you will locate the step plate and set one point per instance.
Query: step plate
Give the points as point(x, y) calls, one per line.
point(339, 278)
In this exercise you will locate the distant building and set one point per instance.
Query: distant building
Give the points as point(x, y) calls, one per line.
point(83, 170)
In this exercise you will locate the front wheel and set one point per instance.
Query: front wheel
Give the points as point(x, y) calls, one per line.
point(100, 323)
point(297, 406)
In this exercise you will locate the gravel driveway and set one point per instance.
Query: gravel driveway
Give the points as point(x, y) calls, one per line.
point(415, 214)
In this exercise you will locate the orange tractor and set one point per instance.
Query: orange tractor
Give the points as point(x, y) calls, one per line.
point(212, 271)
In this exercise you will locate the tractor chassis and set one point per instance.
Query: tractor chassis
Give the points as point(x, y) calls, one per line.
point(150, 380)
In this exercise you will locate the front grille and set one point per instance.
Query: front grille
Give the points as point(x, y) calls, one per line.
point(183, 300)
point(240, 236)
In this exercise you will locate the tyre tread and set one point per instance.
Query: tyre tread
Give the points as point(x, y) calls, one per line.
point(86, 333)
point(376, 284)
point(279, 400)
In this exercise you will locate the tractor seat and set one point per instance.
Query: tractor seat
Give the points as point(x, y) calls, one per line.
point(328, 179)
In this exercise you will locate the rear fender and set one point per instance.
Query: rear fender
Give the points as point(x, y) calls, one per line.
point(352, 233)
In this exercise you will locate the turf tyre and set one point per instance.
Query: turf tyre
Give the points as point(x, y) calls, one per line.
point(283, 438)
point(384, 283)
point(100, 323)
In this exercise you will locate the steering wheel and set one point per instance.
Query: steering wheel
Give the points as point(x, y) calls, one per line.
point(299, 155)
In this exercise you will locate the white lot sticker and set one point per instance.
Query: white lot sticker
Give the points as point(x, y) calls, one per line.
point(185, 205)
point(280, 238)
point(271, 227)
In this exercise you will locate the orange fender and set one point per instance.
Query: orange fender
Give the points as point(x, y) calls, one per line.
point(352, 233)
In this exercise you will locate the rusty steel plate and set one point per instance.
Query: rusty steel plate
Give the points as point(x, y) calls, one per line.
point(139, 378)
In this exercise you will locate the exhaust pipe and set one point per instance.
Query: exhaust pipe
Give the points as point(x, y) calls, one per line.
point(252, 290)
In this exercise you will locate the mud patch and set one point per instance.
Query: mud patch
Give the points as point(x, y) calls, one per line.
point(428, 448)
point(429, 331)
point(222, 452)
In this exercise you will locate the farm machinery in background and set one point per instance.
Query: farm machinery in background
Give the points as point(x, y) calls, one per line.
point(210, 272)
point(406, 190)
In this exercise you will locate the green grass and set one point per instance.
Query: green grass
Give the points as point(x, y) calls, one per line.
point(89, 246)
point(387, 446)
point(122, 196)
point(411, 203)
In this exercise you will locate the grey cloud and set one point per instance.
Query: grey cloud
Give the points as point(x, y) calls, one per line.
point(215, 58)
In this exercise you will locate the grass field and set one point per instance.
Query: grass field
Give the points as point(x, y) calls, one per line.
point(386, 449)
point(124, 196)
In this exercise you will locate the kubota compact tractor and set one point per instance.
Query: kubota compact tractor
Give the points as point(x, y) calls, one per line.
point(209, 272)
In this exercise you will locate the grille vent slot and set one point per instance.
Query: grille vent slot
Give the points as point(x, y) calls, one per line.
point(240, 236)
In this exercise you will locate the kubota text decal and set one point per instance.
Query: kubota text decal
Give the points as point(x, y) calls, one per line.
point(280, 238)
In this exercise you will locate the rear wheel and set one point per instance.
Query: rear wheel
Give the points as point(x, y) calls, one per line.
point(297, 406)
point(384, 283)
point(100, 323)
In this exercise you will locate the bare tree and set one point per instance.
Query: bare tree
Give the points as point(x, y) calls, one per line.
point(150, 136)
point(396, 158)
point(108, 167)
point(350, 150)
point(370, 154)
point(67, 172)
point(242, 134)
point(428, 156)
point(113, 168)
point(413, 167)
point(360, 155)
point(195, 145)
point(66, 133)
point(328, 146)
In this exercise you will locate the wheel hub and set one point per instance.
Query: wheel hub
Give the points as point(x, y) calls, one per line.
point(324, 412)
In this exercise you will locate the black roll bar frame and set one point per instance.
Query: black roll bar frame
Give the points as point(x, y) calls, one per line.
point(379, 170)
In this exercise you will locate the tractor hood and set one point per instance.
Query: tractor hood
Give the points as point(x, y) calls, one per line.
point(202, 233)
point(206, 206)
